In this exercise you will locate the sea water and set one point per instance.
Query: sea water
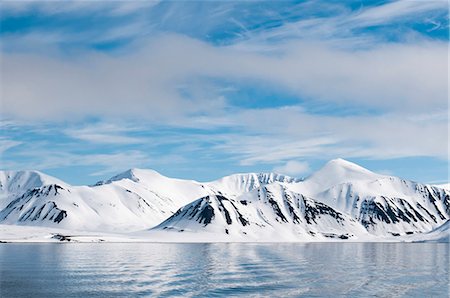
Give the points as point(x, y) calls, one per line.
point(224, 270)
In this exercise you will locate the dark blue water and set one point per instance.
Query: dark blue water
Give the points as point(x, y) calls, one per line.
point(223, 270)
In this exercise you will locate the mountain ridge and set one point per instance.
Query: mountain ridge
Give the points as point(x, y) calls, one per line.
point(342, 200)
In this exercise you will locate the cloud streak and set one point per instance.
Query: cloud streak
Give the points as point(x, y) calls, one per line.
point(6, 144)
point(104, 133)
point(106, 163)
point(146, 84)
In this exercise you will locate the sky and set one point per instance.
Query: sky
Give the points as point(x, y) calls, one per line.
point(204, 89)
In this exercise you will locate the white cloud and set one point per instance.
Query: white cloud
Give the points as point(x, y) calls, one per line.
point(104, 133)
point(108, 163)
point(274, 135)
point(263, 137)
point(293, 168)
point(54, 7)
point(393, 11)
point(6, 144)
point(340, 24)
point(146, 83)
point(166, 80)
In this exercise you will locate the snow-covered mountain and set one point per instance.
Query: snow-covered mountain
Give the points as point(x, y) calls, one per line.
point(267, 212)
point(382, 204)
point(135, 199)
point(439, 234)
point(444, 186)
point(238, 184)
point(15, 183)
point(340, 201)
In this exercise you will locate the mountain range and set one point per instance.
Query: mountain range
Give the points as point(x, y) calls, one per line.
point(341, 201)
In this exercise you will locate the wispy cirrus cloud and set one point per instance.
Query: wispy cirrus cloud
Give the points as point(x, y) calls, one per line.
point(6, 144)
point(104, 133)
point(364, 81)
point(105, 163)
point(288, 133)
point(71, 7)
point(393, 11)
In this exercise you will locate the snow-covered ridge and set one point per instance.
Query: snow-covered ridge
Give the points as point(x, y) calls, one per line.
point(133, 200)
point(334, 172)
point(237, 184)
point(340, 201)
point(15, 183)
point(268, 212)
point(444, 186)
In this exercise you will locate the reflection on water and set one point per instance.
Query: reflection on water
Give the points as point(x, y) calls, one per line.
point(213, 270)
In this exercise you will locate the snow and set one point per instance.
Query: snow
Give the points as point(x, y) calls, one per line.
point(352, 189)
point(340, 202)
point(15, 183)
point(33, 234)
point(237, 184)
point(444, 186)
point(440, 234)
point(334, 172)
point(268, 211)
point(120, 205)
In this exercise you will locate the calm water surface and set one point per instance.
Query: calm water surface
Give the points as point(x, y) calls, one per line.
point(223, 270)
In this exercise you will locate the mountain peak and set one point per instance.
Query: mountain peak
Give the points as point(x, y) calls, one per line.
point(339, 170)
point(340, 160)
point(340, 164)
point(15, 183)
point(238, 183)
point(17, 180)
point(133, 174)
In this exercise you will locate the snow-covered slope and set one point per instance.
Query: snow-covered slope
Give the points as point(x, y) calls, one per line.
point(391, 205)
point(15, 183)
point(334, 172)
point(238, 184)
point(135, 199)
point(385, 205)
point(380, 205)
point(444, 186)
point(440, 234)
point(151, 182)
point(341, 200)
point(269, 212)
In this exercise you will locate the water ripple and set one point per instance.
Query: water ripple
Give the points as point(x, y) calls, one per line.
point(224, 270)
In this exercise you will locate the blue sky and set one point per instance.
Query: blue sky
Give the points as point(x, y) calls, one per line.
point(202, 89)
